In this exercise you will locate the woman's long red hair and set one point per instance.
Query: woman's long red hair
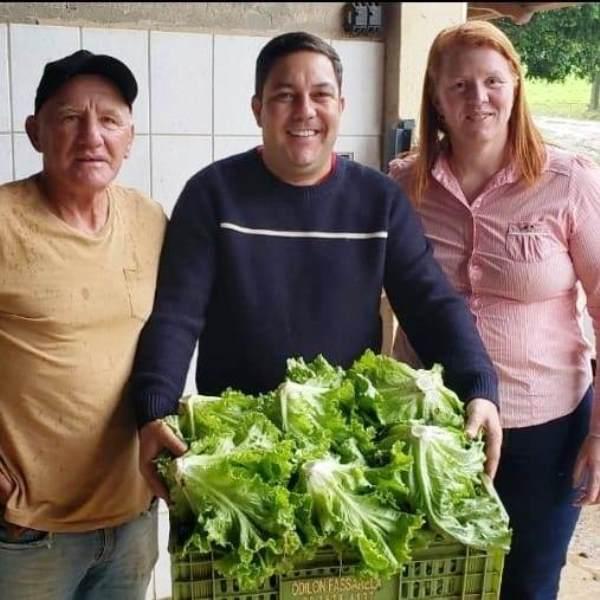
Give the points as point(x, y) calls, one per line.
point(526, 146)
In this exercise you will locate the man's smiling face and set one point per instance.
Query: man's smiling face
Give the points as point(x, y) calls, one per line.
point(299, 112)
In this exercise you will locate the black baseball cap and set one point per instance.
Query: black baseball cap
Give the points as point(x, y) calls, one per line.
point(84, 62)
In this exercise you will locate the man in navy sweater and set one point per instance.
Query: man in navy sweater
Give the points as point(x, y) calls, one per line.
point(284, 251)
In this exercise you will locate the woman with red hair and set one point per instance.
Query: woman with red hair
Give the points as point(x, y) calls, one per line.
point(514, 224)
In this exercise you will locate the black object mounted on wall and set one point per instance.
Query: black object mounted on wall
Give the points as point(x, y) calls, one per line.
point(398, 140)
point(403, 135)
point(363, 17)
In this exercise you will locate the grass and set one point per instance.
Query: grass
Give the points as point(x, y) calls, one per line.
point(568, 99)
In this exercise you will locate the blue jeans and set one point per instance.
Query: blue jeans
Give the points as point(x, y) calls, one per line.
point(534, 481)
point(105, 564)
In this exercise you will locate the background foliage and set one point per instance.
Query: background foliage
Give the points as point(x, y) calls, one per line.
point(559, 43)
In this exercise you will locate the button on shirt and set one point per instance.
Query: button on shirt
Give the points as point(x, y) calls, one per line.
point(516, 253)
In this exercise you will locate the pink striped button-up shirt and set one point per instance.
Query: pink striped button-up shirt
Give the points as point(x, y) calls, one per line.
point(516, 253)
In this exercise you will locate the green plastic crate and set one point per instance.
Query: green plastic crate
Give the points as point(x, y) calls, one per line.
point(444, 571)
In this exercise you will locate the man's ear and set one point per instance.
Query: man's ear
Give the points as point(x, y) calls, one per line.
point(31, 127)
point(342, 103)
point(130, 143)
point(256, 108)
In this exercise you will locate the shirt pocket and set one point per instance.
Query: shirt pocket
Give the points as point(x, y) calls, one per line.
point(528, 242)
point(140, 284)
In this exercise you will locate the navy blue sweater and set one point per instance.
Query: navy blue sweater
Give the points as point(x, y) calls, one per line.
point(257, 270)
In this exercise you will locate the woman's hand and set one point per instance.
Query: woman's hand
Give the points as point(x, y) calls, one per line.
point(483, 415)
point(586, 475)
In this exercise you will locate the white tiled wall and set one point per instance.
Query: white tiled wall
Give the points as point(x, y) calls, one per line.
point(193, 107)
point(136, 170)
point(27, 160)
point(30, 48)
point(362, 87)
point(234, 84)
point(178, 59)
point(174, 159)
point(365, 149)
point(5, 121)
point(5, 156)
point(226, 145)
point(193, 104)
point(130, 46)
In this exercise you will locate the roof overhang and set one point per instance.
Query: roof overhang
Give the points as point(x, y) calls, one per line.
point(519, 12)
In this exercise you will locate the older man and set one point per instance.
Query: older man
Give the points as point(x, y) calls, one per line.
point(284, 251)
point(78, 263)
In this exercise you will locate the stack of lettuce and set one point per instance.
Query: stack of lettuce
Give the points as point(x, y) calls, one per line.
point(372, 461)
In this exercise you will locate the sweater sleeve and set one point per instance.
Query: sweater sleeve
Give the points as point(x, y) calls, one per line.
point(433, 315)
point(185, 280)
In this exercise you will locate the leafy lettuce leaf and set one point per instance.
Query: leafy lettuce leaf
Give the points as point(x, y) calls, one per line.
point(447, 483)
point(349, 513)
point(236, 488)
point(200, 415)
point(315, 407)
point(389, 391)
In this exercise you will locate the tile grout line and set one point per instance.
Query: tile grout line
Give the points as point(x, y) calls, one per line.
point(10, 101)
point(150, 129)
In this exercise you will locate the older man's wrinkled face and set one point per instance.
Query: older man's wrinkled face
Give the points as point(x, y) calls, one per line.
point(84, 132)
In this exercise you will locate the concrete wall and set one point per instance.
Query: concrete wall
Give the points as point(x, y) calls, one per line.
point(261, 18)
point(409, 30)
point(410, 27)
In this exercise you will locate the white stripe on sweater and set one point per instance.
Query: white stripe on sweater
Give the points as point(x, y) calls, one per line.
point(342, 235)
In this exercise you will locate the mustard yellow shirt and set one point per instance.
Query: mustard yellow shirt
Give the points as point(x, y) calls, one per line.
point(71, 308)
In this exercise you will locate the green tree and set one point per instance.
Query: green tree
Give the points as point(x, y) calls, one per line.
point(558, 43)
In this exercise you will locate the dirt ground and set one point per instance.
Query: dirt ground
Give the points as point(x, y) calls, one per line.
point(581, 576)
point(577, 136)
